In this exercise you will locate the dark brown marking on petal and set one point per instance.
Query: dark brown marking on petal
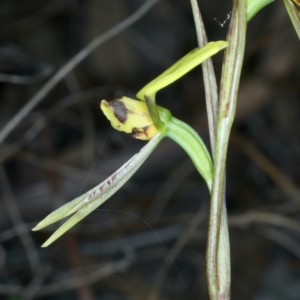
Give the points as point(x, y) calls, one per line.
point(137, 131)
point(140, 132)
point(120, 110)
point(146, 130)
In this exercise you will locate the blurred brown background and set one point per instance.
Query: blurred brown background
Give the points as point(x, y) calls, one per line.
point(65, 146)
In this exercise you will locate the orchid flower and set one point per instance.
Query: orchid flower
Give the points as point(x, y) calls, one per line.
point(145, 121)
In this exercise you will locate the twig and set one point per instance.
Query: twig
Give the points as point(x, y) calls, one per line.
point(12, 232)
point(33, 287)
point(264, 163)
point(39, 122)
point(74, 258)
point(34, 20)
point(2, 257)
point(71, 283)
point(18, 223)
point(255, 217)
point(88, 127)
point(149, 49)
point(101, 273)
point(176, 249)
point(168, 188)
point(282, 239)
point(71, 65)
point(57, 167)
point(17, 79)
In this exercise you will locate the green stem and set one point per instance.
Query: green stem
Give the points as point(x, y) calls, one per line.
point(190, 141)
point(210, 83)
point(153, 111)
point(211, 98)
point(231, 72)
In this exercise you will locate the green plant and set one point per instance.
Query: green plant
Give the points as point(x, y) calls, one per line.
point(151, 122)
point(131, 115)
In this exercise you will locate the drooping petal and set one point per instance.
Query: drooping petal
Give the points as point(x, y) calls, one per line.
point(88, 202)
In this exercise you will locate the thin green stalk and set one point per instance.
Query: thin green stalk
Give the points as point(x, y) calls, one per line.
point(152, 108)
point(231, 72)
point(211, 98)
point(210, 83)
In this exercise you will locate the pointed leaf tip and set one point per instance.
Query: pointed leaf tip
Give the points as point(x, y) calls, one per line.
point(85, 204)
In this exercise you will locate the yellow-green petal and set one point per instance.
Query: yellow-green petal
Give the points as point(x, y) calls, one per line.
point(130, 116)
point(181, 67)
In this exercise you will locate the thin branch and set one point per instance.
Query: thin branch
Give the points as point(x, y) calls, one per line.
point(9, 127)
point(88, 128)
point(2, 257)
point(188, 233)
point(18, 223)
point(282, 239)
point(264, 163)
point(40, 121)
point(168, 188)
point(254, 217)
point(33, 20)
point(73, 282)
point(12, 232)
point(59, 168)
point(33, 287)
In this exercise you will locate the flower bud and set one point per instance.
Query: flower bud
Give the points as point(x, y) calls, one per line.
point(131, 116)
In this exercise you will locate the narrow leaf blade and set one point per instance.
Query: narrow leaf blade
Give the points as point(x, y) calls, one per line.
point(181, 67)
